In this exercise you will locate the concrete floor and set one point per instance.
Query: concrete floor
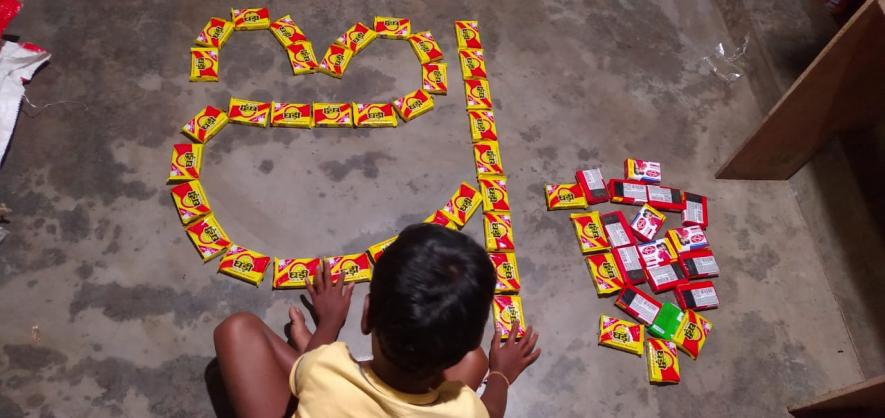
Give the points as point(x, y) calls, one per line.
point(98, 261)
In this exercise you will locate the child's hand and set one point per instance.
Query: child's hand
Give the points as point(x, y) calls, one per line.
point(331, 301)
point(512, 357)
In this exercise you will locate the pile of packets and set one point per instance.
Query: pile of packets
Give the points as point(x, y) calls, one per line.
point(204, 67)
point(622, 255)
point(211, 241)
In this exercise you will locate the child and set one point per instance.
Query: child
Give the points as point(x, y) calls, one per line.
point(426, 311)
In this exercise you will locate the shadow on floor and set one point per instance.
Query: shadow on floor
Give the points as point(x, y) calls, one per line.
point(848, 174)
point(215, 387)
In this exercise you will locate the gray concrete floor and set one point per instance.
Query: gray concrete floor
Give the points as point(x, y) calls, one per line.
point(125, 309)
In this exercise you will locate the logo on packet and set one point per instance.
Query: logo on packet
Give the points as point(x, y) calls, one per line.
point(622, 333)
point(663, 359)
point(463, 203)
point(426, 46)
point(566, 195)
point(206, 122)
point(479, 92)
point(191, 199)
point(505, 270)
point(489, 157)
point(251, 17)
point(435, 76)
point(209, 235)
point(356, 37)
point(467, 34)
point(244, 263)
point(591, 230)
point(186, 160)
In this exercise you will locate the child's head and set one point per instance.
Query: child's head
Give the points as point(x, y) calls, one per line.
point(429, 299)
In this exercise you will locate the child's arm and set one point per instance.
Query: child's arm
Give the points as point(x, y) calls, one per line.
point(506, 362)
point(331, 301)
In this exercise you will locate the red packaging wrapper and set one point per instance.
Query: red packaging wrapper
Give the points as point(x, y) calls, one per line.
point(698, 264)
point(630, 263)
point(697, 296)
point(628, 192)
point(665, 198)
point(593, 184)
point(665, 277)
point(617, 230)
point(638, 304)
point(695, 212)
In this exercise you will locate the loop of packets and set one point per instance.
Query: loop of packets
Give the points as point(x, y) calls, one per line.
point(250, 266)
point(205, 67)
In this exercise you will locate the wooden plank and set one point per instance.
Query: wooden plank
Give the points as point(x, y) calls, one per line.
point(866, 398)
point(842, 90)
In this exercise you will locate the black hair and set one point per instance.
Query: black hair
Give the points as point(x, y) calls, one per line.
point(429, 298)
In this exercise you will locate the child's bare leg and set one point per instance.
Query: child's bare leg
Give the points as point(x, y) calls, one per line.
point(470, 370)
point(255, 365)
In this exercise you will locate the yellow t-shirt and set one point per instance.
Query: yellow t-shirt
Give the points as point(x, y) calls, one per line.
point(328, 382)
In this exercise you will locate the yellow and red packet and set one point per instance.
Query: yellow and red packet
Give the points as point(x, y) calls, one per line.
point(473, 64)
point(333, 115)
point(244, 264)
point(336, 60)
point(291, 115)
point(187, 159)
point(287, 32)
point(250, 19)
point(301, 58)
point(487, 157)
point(494, 193)
point(215, 33)
point(507, 308)
point(434, 77)
point(374, 115)
point(606, 276)
point(357, 37)
point(478, 95)
point(440, 218)
point(294, 273)
point(413, 104)
point(462, 204)
point(392, 27)
point(376, 250)
point(588, 228)
point(498, 232)
point(482, 125)
point(425, 47)
point(190, 200)
point(663, 361)
point(205, 124)
point(692, 333)
point(467, 34)
point(621, 335)
point(204, 64)
point(208, 237)
point(565, 196)
point(506, 272)
point(248, 112)
point(355, 267)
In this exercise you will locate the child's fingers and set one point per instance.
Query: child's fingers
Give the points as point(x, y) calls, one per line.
point(496, 339)
point(523, 342)
point(530, 343)
point(327, 272)
point(311, 290)
point(348, 291)
point(533, 357)
point(514, 331)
